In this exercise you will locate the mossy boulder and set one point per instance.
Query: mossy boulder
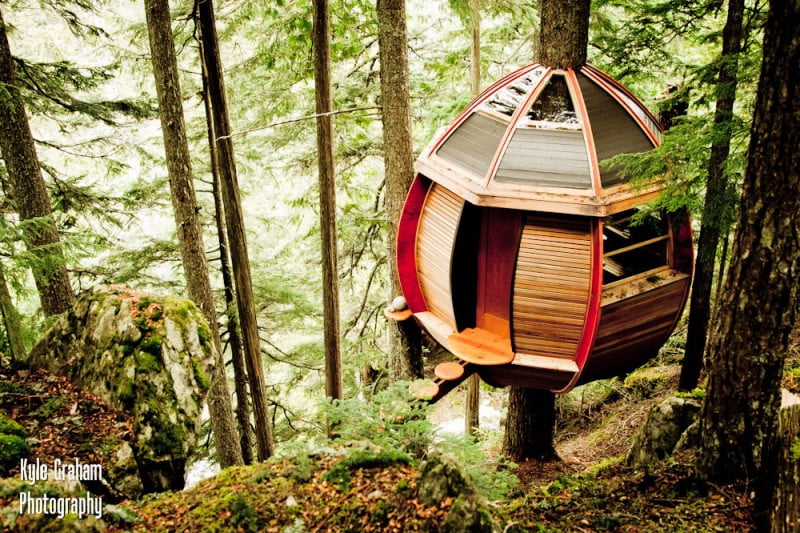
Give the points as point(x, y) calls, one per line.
point(146, 355)
point(662, 430)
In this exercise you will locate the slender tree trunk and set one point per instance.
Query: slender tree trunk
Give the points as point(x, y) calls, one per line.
point(234, 339)
point(327, 199)
point(761, 298)
point(405, 339)
point(234, 223)
point(11, 320)
point(531, 417)
point(472, 414)
point(184, 203)
point(715, 200)
point(31, 199)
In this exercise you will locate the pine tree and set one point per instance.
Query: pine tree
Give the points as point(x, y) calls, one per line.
point(761, 294)
point(30, 195)
point(405, 349)
point(184, 202)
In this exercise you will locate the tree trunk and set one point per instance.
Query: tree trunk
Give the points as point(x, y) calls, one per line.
point(327, 199)
point(234, 223)
point(234, 338)
point(761, 297)
point(531, 416)
point(564, 34)
point(472, 413)
point(184, 203)
point(11, 320)
point(405, 346)
point(31, 199)
point(713, 223)
point(530, 424)
point(785, 507)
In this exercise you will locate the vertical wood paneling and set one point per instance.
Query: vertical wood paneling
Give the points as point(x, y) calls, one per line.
point(551, 287)
point(435, 240)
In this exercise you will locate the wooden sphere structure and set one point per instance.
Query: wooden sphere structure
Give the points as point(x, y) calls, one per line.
point(527, 259)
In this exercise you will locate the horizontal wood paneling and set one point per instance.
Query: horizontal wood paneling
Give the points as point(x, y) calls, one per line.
point(633, 329)
point(435, 240)
point(551, 286)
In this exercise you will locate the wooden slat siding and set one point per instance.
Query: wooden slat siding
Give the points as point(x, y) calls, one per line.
point(546, 158)
point(522, 376)
point(435, 240)
point(614, 130)
point(472, 146)
point(633, 329)
point(551, 286)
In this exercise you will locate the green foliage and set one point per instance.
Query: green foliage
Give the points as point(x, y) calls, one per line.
point(396, 424)
point(48, 408)
point(340, 472)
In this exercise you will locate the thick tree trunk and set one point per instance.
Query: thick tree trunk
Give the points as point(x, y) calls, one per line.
point(472, 413)
point(31, 199)
point(184, 203)
point(530, 424)
point(761, 297)
point(564, 33)
point(234, 223)
point(234, 338)
point(405, 347)
point(531, 413)
point(716, 197)
point(327, 199)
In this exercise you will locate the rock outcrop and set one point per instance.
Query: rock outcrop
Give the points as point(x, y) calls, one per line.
point(669, 426)
point(145, 355)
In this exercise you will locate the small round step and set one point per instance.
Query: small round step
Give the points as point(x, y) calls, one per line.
point(424, 390)
point(449, 371)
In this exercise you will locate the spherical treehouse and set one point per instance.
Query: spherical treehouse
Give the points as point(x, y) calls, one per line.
point(522, 255)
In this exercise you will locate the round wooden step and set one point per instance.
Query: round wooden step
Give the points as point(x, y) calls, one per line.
point(424, 390)
point(397, 316)
point(449, 371)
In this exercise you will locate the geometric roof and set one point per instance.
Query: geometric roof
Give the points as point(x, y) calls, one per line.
point(534, 139)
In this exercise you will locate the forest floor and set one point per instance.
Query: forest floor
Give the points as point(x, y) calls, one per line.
point(589, 489)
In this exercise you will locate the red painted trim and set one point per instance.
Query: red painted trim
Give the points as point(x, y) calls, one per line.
point(592, 320)
point(481, 98)
point(523, 108)
point(588, 137)
point(606, 82)
point(407, 228)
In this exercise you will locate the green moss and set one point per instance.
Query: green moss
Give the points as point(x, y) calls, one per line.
point(12, 449)
point(11, 427)
point(203, 334)
point(147, 362)
point(144, 301)
point(152, 344)
point(168, 438)
point(199, 376)
point(340, 472)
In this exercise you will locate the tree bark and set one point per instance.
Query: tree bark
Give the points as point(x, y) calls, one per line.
point(472, 413)
point(184, 203)
point(761, 297)
point(405, 339)
point(327, 199)
point(11, 320)
point(234, 338)
point(564, 34)
point(784, 516)
point(713, 223)
point(29, 191)
point(530, 424)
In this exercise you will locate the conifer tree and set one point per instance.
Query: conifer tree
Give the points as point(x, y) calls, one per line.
point(190, 237)
point(30, 196)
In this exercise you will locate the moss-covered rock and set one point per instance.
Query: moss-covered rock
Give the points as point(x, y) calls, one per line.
point(11, 427)
point(143, 354)
point(12, 449)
